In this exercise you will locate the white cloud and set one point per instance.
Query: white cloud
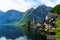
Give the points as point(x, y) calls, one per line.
point(50, 3)
point(20, 5)
point(23, 5)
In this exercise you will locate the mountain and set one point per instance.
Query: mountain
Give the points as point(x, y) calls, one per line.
point(25, 18)
point(37, 14)
point(10, 16)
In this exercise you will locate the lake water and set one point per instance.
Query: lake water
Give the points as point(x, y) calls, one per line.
point(20, 38)
point(9, 32)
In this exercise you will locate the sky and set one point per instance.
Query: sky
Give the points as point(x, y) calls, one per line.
point(23, 5)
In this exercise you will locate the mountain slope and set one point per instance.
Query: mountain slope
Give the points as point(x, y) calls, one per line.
point(37, 14)
point(25, 18)
point(10, 16)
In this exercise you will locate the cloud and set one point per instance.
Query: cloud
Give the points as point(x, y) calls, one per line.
point(8, 4)
point(20, 5)
point(50, 3)
point(23, 5)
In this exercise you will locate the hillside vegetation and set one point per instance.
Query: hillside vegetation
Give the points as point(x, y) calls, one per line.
point(56, 9)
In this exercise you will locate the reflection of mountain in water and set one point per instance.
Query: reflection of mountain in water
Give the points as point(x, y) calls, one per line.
point(14, 32)
point(10, 32)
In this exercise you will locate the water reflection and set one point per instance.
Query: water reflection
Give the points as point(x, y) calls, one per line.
point(10, 32)
point(20, 38)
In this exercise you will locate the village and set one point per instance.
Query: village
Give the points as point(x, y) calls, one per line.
point(44, 28)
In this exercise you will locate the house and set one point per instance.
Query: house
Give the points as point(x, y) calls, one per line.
point(50, 20)
point(38, 24)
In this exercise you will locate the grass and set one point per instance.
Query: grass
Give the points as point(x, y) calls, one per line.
point(57, 30)
point(58, 21)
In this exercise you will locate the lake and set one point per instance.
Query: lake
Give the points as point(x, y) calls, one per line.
point(18, 32)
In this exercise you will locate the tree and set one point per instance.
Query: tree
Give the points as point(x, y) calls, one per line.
point(58, 21)
point(56, 9)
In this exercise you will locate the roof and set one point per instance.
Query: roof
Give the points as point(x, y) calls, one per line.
point(38, 24)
